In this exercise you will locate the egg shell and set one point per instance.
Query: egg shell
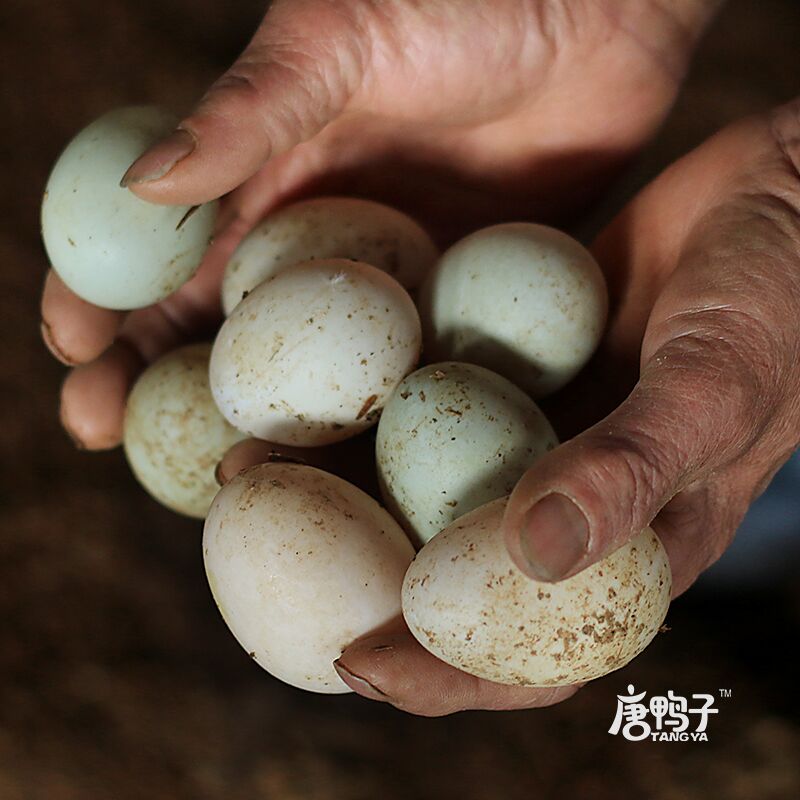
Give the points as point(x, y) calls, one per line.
point(329, 227)
point(524, 300)
point(311, 355)
point(108, 246)
point(452, 437)
point(467, 603)
point(174, 435)
point(301, 563)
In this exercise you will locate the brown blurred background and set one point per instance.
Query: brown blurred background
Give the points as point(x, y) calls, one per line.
point(118, 678)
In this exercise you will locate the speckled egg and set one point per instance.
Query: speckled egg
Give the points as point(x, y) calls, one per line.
point(107, 245)
point(329, 227)
point(452, 437)
point(174, 436)
point(311, 355)
point(302, 563)
point(467, 603)
point(525, 300)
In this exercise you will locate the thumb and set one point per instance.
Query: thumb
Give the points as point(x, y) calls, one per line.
point(715, 410)
point(294, 77)
point(683, 420)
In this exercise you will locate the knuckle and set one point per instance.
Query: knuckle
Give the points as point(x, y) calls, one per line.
point(667, 43)
point(763, 221)
point(734, 347)
point(726, 371)
point(784, 124)
point(285, 94)
point(557, 22)
point(303, 63)
point(322, 39)
point(239, 79)
point(635, 467)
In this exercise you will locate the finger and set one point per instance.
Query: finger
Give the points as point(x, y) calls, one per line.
point(705, 400)
point(295, 76)
point(353, 459)
point(392, 667)
point(94, 394)
point(73, 330)
point(93, 397)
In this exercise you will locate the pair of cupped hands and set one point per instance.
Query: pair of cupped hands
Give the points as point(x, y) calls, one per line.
point(465, 114)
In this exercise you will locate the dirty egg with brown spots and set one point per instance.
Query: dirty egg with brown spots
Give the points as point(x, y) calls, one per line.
point(311, 355)
point(451, 438)
point(174, 435)
point(467, 603)
point(108, 246)
point(329, 227)
point(301, 563)
point(525, 300)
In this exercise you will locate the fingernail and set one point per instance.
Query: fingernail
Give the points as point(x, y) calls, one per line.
point(159, 159)
point(554, 537)
point(360, 685)
point(52, 346)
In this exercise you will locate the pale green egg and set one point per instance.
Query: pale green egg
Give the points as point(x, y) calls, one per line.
point(524, 300)
point(452, 437)
point(108, 246)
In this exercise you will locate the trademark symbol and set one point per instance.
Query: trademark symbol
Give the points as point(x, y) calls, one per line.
point(725, 692)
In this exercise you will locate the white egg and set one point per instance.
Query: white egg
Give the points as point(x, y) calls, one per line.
point(467, 603)
point(107, 245)
point(302, 563)
point(525, 300)
point(311, 355)
point(451, 438)
point(329, 227)
point(174, 435)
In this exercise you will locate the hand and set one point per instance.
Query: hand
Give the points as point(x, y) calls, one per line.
point(704, 269)
point(462, 114)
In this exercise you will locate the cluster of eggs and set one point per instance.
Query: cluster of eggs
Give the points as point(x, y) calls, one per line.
point(322, 341)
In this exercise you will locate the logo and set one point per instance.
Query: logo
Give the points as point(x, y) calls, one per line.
point(664, 719)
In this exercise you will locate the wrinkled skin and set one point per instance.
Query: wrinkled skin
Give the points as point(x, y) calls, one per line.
point(466, 114)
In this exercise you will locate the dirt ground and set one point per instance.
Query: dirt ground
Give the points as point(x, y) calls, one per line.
point(118, 679)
